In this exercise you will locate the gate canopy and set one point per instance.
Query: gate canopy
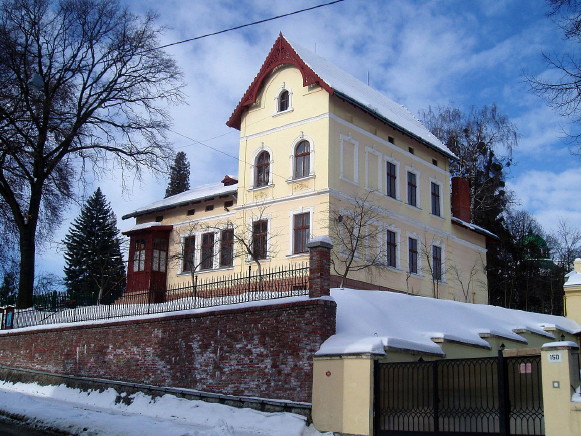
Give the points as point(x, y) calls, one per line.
point(371, 322)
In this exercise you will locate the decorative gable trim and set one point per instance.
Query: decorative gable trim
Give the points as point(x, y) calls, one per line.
point(280, 54)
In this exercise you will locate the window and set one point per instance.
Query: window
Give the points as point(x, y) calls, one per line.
point(139, 255)
point(262, 169)
point(229, 203)
point(391, 179)
point(301, 232)
point(259, 239)
point(435, 199)
point(191, 211)
point(412, 189)
point(437, 263)
point(390, 139)
point(209, 207)
point(159, 218)
point(159, 254)
point(391, 249)
point(413, 255)
point(227, 247)
point(302, 159)
point(283, 101)
point(189, 254)
point(207, 251)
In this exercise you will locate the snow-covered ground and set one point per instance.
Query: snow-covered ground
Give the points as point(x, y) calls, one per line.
point(97, 413)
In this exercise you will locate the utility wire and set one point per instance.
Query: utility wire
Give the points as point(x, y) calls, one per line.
point(250, 24)
point(220, 151)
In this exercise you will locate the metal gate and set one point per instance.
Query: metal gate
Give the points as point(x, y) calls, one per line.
point(496, 395)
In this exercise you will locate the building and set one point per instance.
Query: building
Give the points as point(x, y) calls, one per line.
point(313, 139)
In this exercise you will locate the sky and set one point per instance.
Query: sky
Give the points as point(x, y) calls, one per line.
point(420, 53)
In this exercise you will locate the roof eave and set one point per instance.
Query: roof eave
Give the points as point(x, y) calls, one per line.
point(394, 125)
point(174, 205)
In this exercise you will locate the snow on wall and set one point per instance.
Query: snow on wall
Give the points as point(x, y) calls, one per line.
point(369, 321)
point(263, 351)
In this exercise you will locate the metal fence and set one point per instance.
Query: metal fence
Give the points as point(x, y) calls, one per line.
point(56, 308)
point(488, 396)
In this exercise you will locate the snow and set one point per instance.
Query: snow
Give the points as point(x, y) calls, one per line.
point(574, 277)
point(375, 102)
point(474, 227)
point(369, 321)
point(186, 197)
point(324, 239)
point(103, 413)
point(561, 344)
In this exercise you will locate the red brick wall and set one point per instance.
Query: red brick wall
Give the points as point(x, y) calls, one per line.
point(263, 351)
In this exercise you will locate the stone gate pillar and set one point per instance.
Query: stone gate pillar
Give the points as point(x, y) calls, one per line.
point(319, 266)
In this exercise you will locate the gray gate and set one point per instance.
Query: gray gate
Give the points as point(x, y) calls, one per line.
point(501, 396)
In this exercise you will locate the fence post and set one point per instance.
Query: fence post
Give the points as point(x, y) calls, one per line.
point(319, 266)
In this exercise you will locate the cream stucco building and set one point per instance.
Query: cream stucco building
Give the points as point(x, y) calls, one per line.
point(312, 139)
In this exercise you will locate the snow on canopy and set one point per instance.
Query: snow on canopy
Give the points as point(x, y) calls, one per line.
point(369, 321)
point(198, 193)
point(346, 86)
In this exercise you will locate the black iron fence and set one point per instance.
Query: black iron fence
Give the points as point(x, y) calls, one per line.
point(484, 396)
point(56, 308)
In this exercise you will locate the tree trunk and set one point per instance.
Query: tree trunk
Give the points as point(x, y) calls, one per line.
point(27, 262)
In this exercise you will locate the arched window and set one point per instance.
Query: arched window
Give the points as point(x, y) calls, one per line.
point(283, 101)
point(302, 159)
point(262, 174)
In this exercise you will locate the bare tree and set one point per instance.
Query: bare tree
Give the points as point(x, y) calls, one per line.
point(466, 278)
point(565, 244)
point(562, 89)
point(81, 82)
point(358, 234)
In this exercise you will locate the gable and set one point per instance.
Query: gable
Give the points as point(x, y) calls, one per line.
point(280, 54)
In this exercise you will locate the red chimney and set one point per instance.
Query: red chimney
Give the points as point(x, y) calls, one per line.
point(461, 199)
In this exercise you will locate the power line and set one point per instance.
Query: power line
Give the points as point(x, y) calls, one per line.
point(251, 24)
point(220, 151)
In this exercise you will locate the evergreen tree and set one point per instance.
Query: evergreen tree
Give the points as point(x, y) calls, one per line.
point(8, 289)
point(179, 178)
point(94, 269)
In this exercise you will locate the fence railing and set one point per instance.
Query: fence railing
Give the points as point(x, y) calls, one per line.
point(276, 283)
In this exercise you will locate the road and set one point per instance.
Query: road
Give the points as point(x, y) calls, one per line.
point(10, 427)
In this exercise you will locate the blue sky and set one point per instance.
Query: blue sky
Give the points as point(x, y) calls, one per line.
point(420, 53)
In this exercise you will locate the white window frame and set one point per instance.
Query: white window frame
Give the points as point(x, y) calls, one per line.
point(342, 140)
point(397, 177)
point(294, 145)
point(420, 264)
point(442, 246)
point(397, 247)
point(418, 186)
point(280, 90)
point(291, 214)
point(441, 185)
point(253, 168)
point(368, 151)
point(251, 222)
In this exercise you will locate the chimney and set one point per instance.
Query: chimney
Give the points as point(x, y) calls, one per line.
point(461, 199)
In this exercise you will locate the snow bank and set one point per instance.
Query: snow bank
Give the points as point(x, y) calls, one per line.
point(101, 413)
point(369, 321)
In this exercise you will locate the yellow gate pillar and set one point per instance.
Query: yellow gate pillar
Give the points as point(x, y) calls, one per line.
point(572, 289)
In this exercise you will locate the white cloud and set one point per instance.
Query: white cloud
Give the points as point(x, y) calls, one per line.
point(550, 195)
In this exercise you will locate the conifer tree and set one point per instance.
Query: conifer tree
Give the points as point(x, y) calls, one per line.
point(179, 178)
point(94, 270)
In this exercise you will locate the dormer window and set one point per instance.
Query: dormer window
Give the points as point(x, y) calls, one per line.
point(283, 101)
point(262, 174)
point(302, 159)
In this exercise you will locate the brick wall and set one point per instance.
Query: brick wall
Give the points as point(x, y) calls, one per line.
point(263, 351)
